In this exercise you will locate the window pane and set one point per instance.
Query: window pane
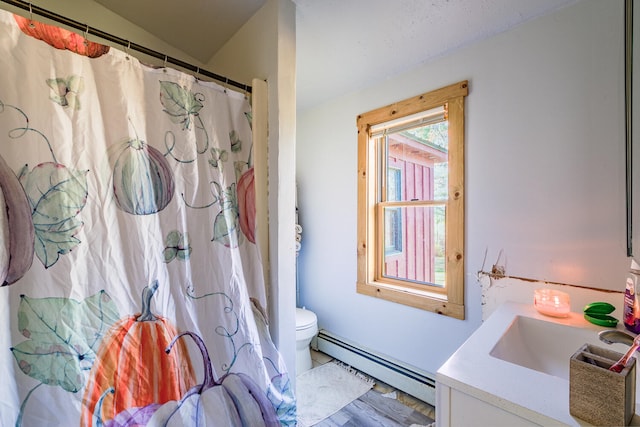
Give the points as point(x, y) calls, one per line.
point(394, 184)
point(421, 154)
point(420, 257)
point(392, 231)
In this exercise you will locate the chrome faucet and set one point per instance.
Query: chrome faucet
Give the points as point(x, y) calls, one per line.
point(614, 336)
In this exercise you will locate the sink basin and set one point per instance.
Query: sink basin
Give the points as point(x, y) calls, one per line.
point(544, 346)
point(515, 368)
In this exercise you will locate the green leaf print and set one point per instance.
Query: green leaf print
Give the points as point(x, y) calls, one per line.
point(57, 194)
point(55, 240)
point(218, 156)
point(63, 336)
point(179, 103)
point(50, 364)
point(66, 91)
point(236, 142)
point(226, 228)
point(240, 167)
point(177, 246)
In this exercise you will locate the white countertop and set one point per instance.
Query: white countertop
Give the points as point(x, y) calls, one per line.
point(534, 395)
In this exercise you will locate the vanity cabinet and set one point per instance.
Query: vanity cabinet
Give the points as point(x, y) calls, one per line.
point(514, 371)
point(456, 408)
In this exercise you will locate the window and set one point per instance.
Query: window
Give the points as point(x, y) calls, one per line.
point(411, 201)
point(393, 218)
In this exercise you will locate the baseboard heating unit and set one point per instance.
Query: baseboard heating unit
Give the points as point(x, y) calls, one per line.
point(408, 379)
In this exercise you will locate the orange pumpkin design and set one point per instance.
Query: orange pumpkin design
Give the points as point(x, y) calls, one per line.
point(247, 204)
point(132, 360)
point(60, 38)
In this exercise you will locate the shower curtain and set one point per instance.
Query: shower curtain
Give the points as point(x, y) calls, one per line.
point(132, 289)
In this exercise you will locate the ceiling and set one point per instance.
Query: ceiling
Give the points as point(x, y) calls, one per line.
point(197, 27)
point(341, 45)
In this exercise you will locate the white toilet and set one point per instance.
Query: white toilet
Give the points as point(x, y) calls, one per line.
point(306, 329)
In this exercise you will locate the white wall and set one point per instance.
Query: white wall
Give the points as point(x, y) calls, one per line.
point(544, 177)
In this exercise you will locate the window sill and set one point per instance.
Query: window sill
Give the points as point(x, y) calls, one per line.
point(425, 300)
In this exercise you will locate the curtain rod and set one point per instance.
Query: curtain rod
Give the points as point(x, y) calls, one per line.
point(86, 29)
point(628, 100)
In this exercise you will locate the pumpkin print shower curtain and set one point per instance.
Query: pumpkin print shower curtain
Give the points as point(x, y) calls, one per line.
point(132, 289)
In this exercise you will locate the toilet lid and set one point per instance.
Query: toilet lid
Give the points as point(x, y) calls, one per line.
point(305, 318)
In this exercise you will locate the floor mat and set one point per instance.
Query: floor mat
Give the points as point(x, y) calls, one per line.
point(324, 390)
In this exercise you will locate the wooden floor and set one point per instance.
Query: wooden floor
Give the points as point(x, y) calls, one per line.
point(374, 410)
point(382, 406)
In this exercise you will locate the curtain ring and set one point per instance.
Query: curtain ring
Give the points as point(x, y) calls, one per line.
point(86, 36)
point(126, 49)
point(31, 24)
point(164, 64)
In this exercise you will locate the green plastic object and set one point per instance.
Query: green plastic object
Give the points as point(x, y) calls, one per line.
point(598, 314)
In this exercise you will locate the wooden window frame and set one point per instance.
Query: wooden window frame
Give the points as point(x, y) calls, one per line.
point(450, 300)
